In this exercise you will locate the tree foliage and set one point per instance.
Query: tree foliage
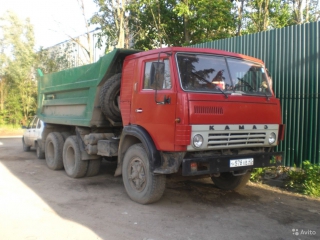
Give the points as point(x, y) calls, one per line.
point(261, 15)
point(113, 21)
point(147, 24)
point(179, 23)
point(17, 63)
point(56, 58)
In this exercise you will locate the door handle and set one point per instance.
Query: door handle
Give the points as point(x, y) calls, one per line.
point(139, 110)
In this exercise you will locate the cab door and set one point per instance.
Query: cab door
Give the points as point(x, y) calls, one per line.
point(154, 109)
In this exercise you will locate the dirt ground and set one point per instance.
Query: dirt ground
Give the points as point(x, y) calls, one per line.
point(38, 203)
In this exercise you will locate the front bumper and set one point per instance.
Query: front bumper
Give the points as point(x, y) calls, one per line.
point(219, 164)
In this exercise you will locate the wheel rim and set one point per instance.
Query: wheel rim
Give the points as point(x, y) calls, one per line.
point(137, 174)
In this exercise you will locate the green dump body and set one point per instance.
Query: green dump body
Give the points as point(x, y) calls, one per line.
point(71, 97)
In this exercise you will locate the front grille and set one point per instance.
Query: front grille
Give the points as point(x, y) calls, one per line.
point(236, 139)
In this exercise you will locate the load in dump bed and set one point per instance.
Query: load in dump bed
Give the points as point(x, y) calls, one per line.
point(200, 112)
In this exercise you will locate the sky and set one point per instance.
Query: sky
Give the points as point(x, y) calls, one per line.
point(54, 20)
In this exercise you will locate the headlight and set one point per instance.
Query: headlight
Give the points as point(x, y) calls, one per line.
point(197, 141)
point(272, 138)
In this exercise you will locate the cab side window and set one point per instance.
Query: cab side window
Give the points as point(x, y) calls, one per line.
point(39, 124)
point(35, 122)
point(164, 82)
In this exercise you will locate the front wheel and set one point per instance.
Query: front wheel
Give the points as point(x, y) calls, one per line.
point(227, 181)
point(141, 184)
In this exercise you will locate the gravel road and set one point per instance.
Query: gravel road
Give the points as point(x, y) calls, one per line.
point(38, 203)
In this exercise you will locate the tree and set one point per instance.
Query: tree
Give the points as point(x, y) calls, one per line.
point(305, 10)
point(205, 20)
point(262, 15)
point(113, 20)
point(280, 14)
point(56, 58)
point(238, 11)
point(2, 76)
point(155, 23)
point(17, 66)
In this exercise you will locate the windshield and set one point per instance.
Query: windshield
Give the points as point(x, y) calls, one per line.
point(210, 73)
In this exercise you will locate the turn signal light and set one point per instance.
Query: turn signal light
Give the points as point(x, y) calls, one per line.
point(194, 167)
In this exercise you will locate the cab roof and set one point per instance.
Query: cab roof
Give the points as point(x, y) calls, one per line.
point(193, 50)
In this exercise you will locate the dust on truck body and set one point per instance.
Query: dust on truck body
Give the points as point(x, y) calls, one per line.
point(187, 110)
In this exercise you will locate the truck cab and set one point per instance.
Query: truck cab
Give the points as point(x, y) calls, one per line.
point(215, 108)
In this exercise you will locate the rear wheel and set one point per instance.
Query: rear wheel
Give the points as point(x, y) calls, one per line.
point(227, 181)
point(73, 165)
point(40, 152)
point(53, 151)
point(24, 146)
point(140, 183)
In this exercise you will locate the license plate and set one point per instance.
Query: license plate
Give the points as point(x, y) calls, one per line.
point(241, 162)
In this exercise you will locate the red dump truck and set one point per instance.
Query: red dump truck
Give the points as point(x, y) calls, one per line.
point(197, 112)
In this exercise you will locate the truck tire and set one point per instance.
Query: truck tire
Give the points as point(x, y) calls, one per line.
point(93, 168)
point(141, 184)
point(24, 146)
point(227, 181)
point(109, 95)
point(53, 151)
point(73, 165)
point(39, 151)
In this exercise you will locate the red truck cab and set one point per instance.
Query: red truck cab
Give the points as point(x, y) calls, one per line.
point(206, 110)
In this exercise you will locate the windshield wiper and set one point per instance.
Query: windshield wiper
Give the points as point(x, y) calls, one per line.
point(245, 84)
point(202, 78)
point(222, 91)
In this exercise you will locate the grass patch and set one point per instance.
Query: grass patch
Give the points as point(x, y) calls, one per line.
point(305, 180)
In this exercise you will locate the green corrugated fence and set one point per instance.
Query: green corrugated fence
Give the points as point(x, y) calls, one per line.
point(293, 58)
